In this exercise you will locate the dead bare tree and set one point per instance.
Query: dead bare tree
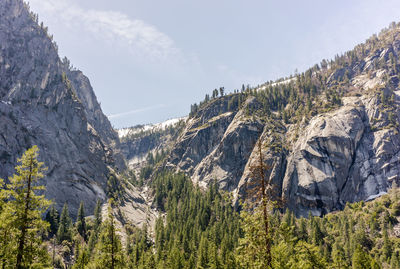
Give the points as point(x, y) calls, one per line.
point(262, 190)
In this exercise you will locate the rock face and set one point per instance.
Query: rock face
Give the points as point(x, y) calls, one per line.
point(225, 163)
point(138, 141)
point(346, 153)
point(340, 142)
point(201, 135)
point(43, 102)
point(322, 157)
point(343, 157)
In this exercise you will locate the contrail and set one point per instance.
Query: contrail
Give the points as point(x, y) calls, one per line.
point(135, 111)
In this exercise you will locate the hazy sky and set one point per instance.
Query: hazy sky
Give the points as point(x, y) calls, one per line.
point(149, 60)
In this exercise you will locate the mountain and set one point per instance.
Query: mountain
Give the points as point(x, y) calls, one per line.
point(46, 102)
point(138, 141)
point(330, 134)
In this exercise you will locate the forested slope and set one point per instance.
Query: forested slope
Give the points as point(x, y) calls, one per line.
point(329, 133)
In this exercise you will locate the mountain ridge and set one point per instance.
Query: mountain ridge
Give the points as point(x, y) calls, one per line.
point(303, 122)
point(329, 133)
point(46, 103)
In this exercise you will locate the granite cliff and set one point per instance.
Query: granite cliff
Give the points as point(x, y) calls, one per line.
point(330, 134)
point(45, 102)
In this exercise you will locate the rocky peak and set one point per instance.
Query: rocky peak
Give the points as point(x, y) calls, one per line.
point(46, 104)
point(329, 134)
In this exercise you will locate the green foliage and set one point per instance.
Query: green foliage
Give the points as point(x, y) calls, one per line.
point(200, 229)
point(115, 189)
point(357, 237)
point(307, 256)
point(82, 258)
point(65, 226)
point(53, 218)
point(81, 222)
point(21, 225)
point(361, 260)
point(252, 252)
point(97, 215)
point(288, 251)
point(145, 172)
point(96, 226)
point(108, 251)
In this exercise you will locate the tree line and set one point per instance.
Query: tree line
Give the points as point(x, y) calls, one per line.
point(196, 228)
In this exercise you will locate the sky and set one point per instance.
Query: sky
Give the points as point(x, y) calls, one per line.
point(148, 61)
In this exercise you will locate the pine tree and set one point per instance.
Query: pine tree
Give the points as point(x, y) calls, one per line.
point(316, 233)
point(338, 256)
point(252, 252)
point(81, 223)
point(6, 228)
point(202, 258)
point(53, 217)
point(23, 214)
point(96, 226)
point(361, 260)
point(97, 215)
point(264, 191)
point(159, 237)
point(394, 262)
point(176, 259)
point(302, 231)
point(82, 259)
point(221, 91)
point(109, 252)
point(213, 259)
point(282, 256)
point(64, 229)
point(387, 246)
point(308, 257)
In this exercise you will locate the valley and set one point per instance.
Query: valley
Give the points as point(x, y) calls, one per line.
point(301, 172)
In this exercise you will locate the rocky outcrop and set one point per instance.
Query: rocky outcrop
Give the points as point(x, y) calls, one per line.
point(138, 141)
point(341, 158)
point(345, 149)
point(44, 103)
point(275, 158)
point(320, 163)
point(201, 135)
point(226, 162)
point(346, 153)
point(96, 118)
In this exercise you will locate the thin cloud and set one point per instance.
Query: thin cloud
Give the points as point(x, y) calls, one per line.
point(238, 78)
point(141, 38)
point(135, 111)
